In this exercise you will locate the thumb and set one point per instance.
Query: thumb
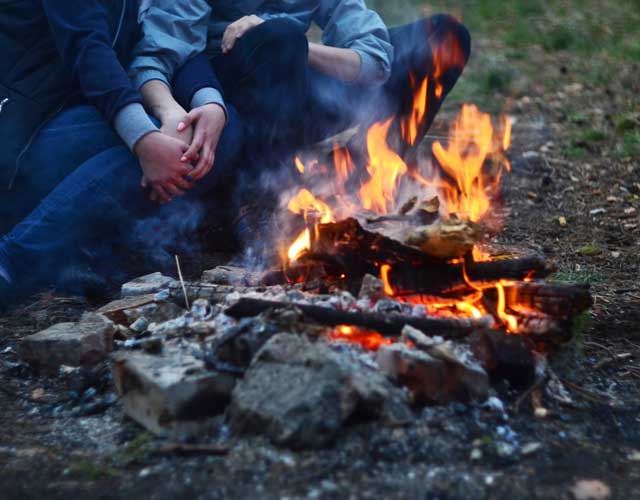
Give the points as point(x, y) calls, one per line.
point(190, 119)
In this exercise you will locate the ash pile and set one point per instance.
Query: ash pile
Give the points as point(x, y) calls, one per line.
point(295, 363)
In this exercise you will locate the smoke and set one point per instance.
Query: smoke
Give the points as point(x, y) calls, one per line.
point(168, 232)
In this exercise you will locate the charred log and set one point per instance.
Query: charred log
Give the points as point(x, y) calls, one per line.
point(389, 325)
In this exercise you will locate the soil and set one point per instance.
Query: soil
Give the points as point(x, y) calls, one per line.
point(582, 213)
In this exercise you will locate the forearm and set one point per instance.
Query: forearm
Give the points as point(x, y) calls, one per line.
point(159, 100)
point(343, 64)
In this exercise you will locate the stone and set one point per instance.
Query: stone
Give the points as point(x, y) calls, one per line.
point(232, 275)
point(371, 288)
point(116, 310)
point(433, 377)
point(173, 394)
point(144, 285)
point(504, 357)
point(300, 394)
point(72, 344)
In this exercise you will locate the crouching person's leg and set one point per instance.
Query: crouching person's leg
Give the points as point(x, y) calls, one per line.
point(436, 49)
point(96, 201)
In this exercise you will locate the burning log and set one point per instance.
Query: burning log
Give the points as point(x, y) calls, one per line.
point(445, 240)
point(388, 325)
point(557, 300)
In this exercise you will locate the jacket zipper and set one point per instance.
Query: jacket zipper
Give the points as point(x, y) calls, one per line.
point(59, 108)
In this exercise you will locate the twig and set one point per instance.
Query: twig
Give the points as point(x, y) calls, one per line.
point(184, 288)
point(191, 449)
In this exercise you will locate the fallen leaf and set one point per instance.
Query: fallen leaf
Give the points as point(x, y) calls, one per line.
point(630, 210)
point(590, 489)
point(562, 221)
point(590, 249)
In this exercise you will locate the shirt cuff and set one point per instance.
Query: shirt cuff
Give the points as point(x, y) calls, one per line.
point(371, 70)
point(141, 77)
point(208, 95)
point(132, 123)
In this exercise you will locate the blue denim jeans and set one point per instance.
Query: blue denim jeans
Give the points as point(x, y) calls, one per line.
point(81, 185)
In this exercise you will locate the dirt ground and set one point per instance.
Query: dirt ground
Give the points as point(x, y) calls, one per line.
point(573, 193)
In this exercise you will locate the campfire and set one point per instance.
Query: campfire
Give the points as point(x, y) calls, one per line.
point(424, 230)
point(390, 293)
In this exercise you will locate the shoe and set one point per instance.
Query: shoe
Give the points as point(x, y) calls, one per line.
point(82, 281)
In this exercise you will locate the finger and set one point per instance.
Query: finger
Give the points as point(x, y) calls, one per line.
point(162, 195)
point(196, 146)
point(191, 117)
point(228, 36)
point(183, 183)
point(200, 169)
point(173, 189)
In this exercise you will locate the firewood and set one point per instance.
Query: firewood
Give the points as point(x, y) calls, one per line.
point(447, 239)
point(388, 325)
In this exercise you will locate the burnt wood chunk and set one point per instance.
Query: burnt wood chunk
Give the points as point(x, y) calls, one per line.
point(504, 356)
point(389, 325)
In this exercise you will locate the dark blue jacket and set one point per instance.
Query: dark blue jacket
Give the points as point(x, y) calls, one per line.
point(55, 52)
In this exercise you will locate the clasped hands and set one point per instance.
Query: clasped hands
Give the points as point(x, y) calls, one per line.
point(182, 152)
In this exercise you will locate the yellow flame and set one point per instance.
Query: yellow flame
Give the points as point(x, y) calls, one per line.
point(411, 124)
point(300, 246)
point(384, 276)
point(509, 320)
point(385, 168)
point(299, 165)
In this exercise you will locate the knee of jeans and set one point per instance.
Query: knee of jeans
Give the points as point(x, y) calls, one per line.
point(450, 29)
point(232, 139)
point(284, 37)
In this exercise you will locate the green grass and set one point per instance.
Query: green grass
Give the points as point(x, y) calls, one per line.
point(580, 277)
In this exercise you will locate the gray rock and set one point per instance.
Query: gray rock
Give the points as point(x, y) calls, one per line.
point(371, 288)
point(300, 394)
point(172, 394)
point(149, 284)
point(72, 344)
point(440, 376)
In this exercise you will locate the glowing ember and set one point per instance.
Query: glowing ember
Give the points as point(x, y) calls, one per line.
point(299, 165)
point(369, 340)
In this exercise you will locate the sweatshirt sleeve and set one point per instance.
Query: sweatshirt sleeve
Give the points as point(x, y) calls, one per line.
point(173, 32)
point(349, 24)
point(83, 39)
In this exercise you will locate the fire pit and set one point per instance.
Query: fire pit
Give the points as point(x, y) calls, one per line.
point(390, 294)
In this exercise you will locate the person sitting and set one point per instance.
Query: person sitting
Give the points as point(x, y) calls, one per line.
point(292, 92)
point(82, 159)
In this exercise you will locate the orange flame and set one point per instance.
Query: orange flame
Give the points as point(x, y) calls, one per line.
point(510, 320)
point(471, 142)
point(303, 203)
point(385, 168)
point(299, 165)
point(384, 276)
point(343, 164)
point(411, 125)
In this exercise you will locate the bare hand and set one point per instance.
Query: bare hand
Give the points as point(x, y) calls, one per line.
point(170, 119)
point(159, 157)
point(208, 122)
point(237, 29)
